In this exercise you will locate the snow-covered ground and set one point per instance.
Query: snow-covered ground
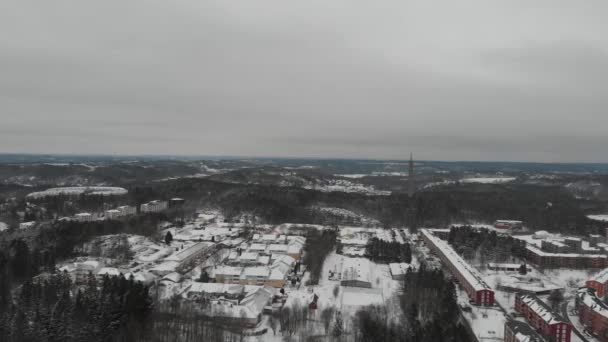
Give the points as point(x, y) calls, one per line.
point(342, 185)
point(488, 323)
point(3, 226)
point(488, 180)
point(601, 218)
point(347, 214)
point(78, 190)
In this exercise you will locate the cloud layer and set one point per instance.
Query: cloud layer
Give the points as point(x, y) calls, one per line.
point(465, 80)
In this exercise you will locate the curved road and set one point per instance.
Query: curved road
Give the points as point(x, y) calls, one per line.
point(564, 311)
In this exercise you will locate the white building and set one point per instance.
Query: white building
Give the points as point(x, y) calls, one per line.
point(27, 225)
point(83, 217)
point(153, 206)
point(127, 210)
point(112, 214)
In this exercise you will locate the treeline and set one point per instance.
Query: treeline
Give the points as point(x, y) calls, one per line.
point(18, 263)
point(486, 245)
point(63, 236)
point(385, 252)
point(549, 208)
point(50, 308)
point(318, 245)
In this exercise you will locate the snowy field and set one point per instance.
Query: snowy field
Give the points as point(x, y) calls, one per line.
point(488, 180)
point(601, 218)
point(78, 190)
point(341, 185)
point(488, 323)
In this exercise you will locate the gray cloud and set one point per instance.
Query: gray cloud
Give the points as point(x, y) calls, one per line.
point(511, 80)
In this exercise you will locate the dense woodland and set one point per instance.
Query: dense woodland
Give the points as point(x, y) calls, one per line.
point(50, 308)
point(385, 252)
point(430, 313)
point(485, 245)
point(318, 246)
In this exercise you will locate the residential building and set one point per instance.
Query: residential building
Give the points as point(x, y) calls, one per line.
point(187, 258)
point(516, 331)
point(545, 259)
point(469, 278)
point(255, 275)
point(228, 274)
point(27, 225)
point(592, 313)
point(356, 272)
point(153, 206)
point(542, 318)
point(398, 270)
point(599, 282)
point(83, 217)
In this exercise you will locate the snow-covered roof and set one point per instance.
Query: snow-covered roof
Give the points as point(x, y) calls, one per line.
point(216, 288)
point(110, 271)
point(540, 252)
point(173, 276)
point(601, 276)
point(277, 248)
point(294, 249)
point(471, 275)
point(541, 309)
point(356, 269)
point(588, 297)
point(188, 252)
point(269, 237)
point(257, 247)
point(228, 270)
point(398, 268)
point(258, 271)
point(249, 256)
point(285, 259)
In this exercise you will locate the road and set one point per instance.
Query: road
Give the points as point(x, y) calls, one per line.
point(564, 312)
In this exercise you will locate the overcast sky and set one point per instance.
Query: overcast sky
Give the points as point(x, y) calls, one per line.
point(519, 80)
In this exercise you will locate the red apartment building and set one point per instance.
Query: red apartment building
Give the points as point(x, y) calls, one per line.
point(469, 278)
point(592, 313)
point(599, 282)
point(540, 316)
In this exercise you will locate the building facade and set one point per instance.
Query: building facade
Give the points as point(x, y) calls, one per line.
point(480, 293)
point(542, 318)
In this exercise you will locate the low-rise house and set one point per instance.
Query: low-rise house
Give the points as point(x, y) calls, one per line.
point(255, 275)
point(356, 272)
point(277, 249)
point(257, 247)
point(398, 270)
point(228, 274)
point(248, 258)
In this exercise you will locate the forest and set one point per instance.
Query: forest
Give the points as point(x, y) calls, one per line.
point(486, 245)
point(50, 308)
point(386, 252)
